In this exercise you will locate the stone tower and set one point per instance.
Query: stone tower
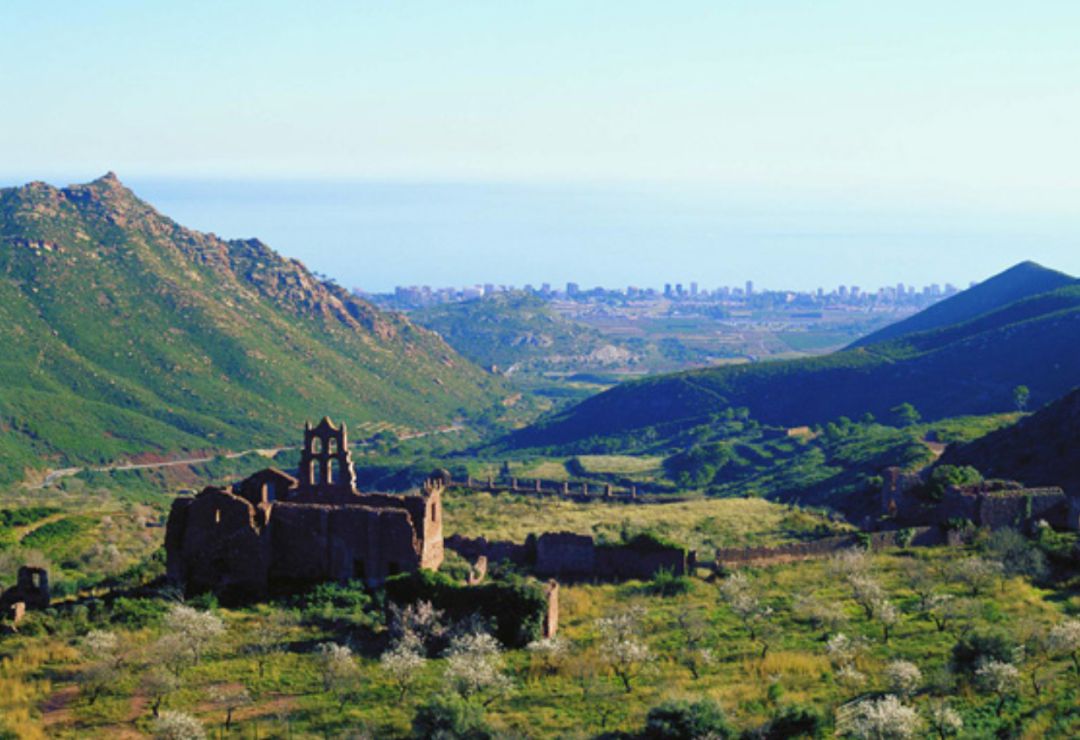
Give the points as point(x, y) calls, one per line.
point(325, 461)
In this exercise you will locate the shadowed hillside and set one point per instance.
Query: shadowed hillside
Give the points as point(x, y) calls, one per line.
point(964, 368)
point(1016, 283)
point(1040, 450)
point(126, 332)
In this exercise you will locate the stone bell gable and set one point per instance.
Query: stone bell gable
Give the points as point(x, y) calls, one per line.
point(326, 467)
point(275, 532)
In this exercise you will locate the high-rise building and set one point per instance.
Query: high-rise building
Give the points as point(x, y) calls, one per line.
point(749, 287)
point(572, 289)
point(693, 289)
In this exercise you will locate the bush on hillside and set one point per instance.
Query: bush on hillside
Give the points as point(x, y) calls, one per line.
point(681, 720)
point(793, 721)
point(514, 606)
point(945, 476)
point(972, 650)
point(450, 716)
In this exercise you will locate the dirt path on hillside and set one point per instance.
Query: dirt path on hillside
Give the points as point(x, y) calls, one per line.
point(55, 475)
point(936, 448)
point(21, 532)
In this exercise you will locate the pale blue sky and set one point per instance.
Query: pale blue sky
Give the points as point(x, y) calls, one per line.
point(960, 116)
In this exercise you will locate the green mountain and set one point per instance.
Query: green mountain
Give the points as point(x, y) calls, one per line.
point(1040, 450)
point(521, 331)
point(1021, 281)
point(124, 332)
point(965, 368)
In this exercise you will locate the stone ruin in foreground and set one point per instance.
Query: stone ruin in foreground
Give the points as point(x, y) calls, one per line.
point(272, 532)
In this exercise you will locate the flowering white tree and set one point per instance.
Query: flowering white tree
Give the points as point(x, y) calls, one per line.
point(693, 628)
point(1064, 639)
point(867, 593)
point(268, 637)
point(178, 726)
point(620, 647)
point(888, 616)
point(744, 599)
point(229, 697)
point(474, 666)
point(101, 649)
point(194, 631)
point(551, 652)
point(977, 574)
point(157, 684)
point(842, 652)
point(827, 615)
point(420, 622)
point(887, 718)
point(403, 663)
point(854, 561)
point(1001, 679)
point(338, 670)
point(903, 677)
point(944, 720)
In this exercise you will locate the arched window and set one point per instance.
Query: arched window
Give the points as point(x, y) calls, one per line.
point(316, 472)
point(331, 445)
point(333, 471)
point(316, 445)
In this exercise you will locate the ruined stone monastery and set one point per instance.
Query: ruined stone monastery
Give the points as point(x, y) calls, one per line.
point(273, 532)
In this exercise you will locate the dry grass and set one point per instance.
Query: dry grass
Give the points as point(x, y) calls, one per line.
point(621, 464)
point(702, 524)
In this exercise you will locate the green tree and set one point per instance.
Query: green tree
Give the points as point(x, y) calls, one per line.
point(681, 720)
point(944, 476)
point(905, 415)
point(1021, 396)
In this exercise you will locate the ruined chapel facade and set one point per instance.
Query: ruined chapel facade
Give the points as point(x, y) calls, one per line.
point(273, 532)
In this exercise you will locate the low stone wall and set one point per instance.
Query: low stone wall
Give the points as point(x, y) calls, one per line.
point(570, 556)
point(577, 490)
point(1010, 508)
point(920, 537)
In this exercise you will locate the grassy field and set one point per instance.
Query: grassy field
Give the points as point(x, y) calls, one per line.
point(576, 695)
point(701, 524)
point(636, 466)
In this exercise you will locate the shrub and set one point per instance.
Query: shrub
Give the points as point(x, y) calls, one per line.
point(973, 650)
point(666, 583)
point(944, 476)
point(793, 721)
point(450, 717)
point(137, 613)
point(680, 720)
point(515, 606)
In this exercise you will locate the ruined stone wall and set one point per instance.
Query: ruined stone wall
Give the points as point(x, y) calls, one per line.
point(1011, 508)
point(621, 562)
point(921, 537)
point(566, 555)
point(572, 556)
point(215, 542)
point(313, 543)
point(494, 550)
point(551, 618)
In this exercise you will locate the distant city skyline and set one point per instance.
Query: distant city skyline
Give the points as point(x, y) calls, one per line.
point(375, 236)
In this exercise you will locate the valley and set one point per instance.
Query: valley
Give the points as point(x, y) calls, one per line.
point(824, 490)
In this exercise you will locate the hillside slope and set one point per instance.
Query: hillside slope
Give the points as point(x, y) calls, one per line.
point(1018, 282)
point(517, 329)
point(967, 368)
point(1040, 450)
point(126, 332)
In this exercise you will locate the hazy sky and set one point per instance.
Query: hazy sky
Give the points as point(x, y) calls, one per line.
point(960, 116)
